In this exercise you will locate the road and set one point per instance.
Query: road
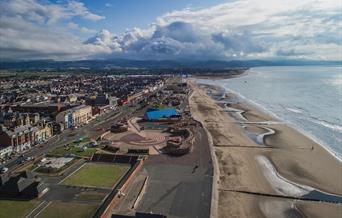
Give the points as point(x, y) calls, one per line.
point(94, 129)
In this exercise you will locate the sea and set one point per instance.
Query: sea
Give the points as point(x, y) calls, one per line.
point(309, 98)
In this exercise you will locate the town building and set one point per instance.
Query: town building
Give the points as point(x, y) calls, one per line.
point(72, 98)
point(5, 151)
point(98, 100)
point(75, 117)
point(24, 185)
point(44, 132)
point(20, 138)
point(97, 110)
point(16, 119)
point(40, 108)
point(155, 114)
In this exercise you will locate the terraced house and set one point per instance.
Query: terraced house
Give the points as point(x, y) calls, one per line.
point(20, 138)
point(75, 117)
point(23, 137)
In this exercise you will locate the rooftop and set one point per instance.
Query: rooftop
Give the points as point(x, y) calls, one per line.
point(156, 114)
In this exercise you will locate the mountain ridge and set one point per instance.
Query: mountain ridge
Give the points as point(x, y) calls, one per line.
point(154, 64)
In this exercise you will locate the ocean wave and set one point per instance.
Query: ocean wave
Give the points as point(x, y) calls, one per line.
point(333, 126)
point(335, 82)
point(295, 110)
point(296, 124)
point(252, 102)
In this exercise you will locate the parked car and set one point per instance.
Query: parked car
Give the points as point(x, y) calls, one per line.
point(69, 155)
point(28, 158)
point(3, 170)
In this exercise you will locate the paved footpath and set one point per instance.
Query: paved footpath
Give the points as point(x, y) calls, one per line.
point(180, 186)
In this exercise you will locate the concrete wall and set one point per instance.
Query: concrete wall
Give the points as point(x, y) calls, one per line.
point(121, 187)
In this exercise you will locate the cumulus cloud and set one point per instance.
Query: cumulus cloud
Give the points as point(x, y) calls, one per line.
point(23, 39)
point(34, 10)
point(75, 26)
point(105, 39)
point(241, 29)
point(31, 29)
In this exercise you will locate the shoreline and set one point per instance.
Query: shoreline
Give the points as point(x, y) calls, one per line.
point(255, 106)
point(237, 73)
point(239, 166)
point(252, 113)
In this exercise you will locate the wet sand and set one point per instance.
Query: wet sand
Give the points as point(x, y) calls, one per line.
point(294, 156)
point(304, 161)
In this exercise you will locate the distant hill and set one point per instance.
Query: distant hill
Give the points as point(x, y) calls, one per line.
point(154, 64)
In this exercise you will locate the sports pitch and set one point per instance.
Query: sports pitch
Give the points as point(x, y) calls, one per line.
point(13, 209)
point(75, 210)
point(97, 175)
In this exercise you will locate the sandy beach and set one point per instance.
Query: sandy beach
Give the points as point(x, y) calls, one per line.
point(264, 176)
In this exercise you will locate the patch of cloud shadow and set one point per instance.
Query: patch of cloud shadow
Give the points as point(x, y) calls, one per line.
point(180, 31)
point(165, 46)
point(334, 38)
point(292, 52)
point(238, 42)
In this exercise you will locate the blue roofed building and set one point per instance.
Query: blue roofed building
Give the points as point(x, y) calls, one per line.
point(154, 114)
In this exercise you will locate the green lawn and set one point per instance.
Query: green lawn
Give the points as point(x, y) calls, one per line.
point(90, 196)
point(74, 210)
point(97, 175)
point(84, 141)
point(15, 209)
point(61, 151)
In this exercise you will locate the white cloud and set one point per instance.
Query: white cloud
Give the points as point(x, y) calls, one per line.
point(105, 39)
point(241, 29)
point(41, 12)
point(79, 9)
point(75, 26)
point(22, 39)
point(30, 29)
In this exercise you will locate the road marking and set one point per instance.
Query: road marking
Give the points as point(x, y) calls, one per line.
point(41, 210)
point(29, 215)
point(71, 173)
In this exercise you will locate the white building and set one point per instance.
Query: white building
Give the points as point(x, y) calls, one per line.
point(5, 151)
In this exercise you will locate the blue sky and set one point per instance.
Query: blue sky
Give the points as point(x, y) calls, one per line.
point(124, 14)
point(171, 29)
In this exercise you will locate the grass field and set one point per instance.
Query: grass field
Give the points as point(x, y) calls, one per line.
point(61, 151)
point(83, 141)
point(97, 175)
point(90, 196)
point(74, 210)
point(14, 209)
